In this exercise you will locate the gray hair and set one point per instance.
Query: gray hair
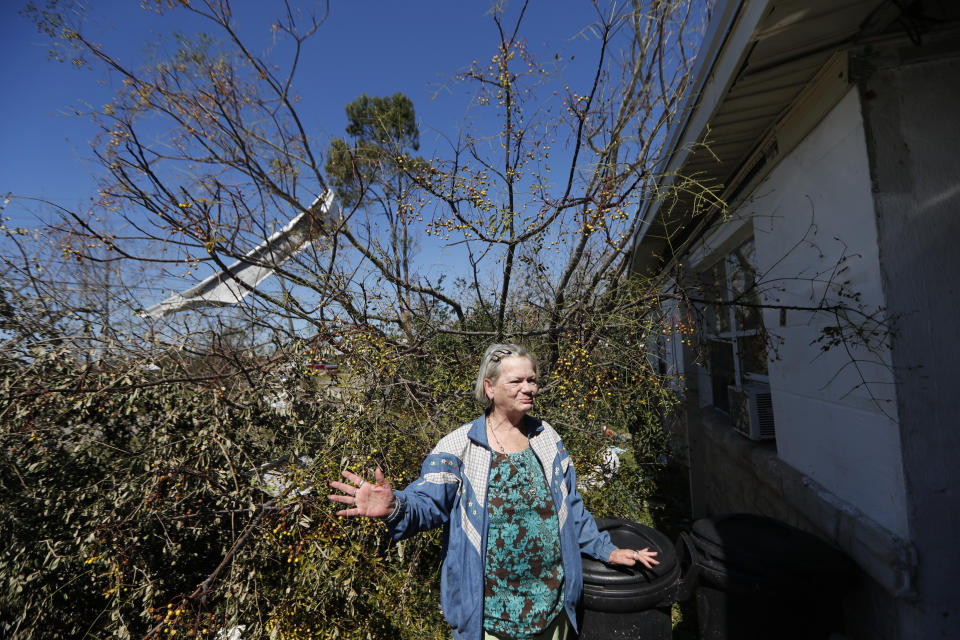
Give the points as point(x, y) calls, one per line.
point(490, 367)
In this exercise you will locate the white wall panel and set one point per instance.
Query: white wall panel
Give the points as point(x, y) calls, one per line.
point(835, 412)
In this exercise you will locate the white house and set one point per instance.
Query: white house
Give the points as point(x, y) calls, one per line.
point(822, 387)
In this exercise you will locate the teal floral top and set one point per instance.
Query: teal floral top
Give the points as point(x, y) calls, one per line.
point(523, 582)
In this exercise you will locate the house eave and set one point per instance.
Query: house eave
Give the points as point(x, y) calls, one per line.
point(758, 60)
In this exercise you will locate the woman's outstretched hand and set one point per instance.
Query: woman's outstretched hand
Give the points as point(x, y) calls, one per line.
point(373, 500)
point(630, 557)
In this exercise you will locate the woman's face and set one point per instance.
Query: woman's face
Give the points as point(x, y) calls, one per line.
point(513, 391)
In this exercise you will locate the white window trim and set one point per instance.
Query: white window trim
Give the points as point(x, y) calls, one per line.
point(719, 247)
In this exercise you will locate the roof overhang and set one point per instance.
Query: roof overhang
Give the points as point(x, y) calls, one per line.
point(761, 61)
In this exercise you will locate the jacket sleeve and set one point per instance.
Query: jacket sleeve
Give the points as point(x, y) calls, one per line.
point(593, 542)
point(427, 502)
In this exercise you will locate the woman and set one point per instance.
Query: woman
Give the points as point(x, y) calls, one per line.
point(514, 525)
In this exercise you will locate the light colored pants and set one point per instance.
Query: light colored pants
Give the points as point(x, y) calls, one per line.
point(559, 629)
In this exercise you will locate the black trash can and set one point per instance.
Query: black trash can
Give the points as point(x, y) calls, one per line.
point(630, 602)
point(761, 578)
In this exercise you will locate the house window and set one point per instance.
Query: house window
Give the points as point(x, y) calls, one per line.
point(735, 343)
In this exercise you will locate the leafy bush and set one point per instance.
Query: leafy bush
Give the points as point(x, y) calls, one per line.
point(134, 502)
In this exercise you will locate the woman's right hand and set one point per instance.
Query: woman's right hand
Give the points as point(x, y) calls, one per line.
point(373, 500)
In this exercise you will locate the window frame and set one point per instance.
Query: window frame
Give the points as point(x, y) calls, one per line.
point(734, 333)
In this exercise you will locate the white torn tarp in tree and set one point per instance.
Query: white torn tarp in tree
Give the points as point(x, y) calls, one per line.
point(234, 283)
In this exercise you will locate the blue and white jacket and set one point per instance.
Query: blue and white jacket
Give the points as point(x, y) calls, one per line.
point(452, 491)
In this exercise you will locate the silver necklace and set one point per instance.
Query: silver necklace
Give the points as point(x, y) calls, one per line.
point(503, 450)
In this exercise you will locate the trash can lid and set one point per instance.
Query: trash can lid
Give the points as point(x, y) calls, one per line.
point(633, 535)
point(753, 543)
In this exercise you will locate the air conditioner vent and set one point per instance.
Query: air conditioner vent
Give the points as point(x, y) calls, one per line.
point(751, 411)
point(764, 403)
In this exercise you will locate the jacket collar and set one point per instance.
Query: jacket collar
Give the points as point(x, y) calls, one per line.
point(478, 429)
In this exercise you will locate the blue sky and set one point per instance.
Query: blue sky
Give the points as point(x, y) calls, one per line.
point(376, 47)
point(372, 46)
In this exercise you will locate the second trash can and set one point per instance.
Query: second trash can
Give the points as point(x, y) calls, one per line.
point(630, 602)
point(760, 578)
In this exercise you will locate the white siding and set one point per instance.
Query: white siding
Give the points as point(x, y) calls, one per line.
point(835, 411)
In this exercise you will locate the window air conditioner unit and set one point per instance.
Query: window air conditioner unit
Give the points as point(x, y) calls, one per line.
point(751, 411)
